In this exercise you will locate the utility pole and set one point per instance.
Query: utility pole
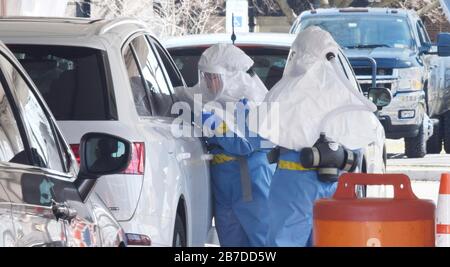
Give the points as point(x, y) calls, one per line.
point(251, 16)
point(83, 8)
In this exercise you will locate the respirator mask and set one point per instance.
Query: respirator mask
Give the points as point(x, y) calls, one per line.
point(329, 158)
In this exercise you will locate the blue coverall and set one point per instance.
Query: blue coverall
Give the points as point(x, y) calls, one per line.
point(240, 222)
point(293, 192)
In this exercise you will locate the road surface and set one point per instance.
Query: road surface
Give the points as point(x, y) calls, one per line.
point(424, 173)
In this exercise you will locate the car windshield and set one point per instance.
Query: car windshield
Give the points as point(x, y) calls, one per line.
point(364, 31)
point(269, 62)
point(72, 80)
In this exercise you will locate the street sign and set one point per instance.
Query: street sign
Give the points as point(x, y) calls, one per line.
point(238, 8)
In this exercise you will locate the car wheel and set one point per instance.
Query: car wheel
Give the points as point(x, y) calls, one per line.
point(434, 143)
point(446, 131)
point(416, 147)
point(179, 233)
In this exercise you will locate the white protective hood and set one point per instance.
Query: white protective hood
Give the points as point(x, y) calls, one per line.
point(232, 64)
point(314, 96)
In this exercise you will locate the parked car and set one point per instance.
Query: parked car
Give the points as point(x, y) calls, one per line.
point(399, 43)
point(269, 52)
point(45, 199)
point(114, 76)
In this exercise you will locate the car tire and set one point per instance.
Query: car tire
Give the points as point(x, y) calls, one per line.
point(179, 233)
point(416, 147)
point(434, 143)
point(446, 132)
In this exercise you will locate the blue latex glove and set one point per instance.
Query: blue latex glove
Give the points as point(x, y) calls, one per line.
point(244, 101)
point(242, 105)
point(209, 116)
point(242, 109)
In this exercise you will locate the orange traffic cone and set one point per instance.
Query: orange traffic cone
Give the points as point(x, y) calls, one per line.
point(443, 213)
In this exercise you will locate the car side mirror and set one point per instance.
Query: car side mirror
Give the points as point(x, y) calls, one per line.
point(103, 154)
point(380, 96)
point(443, 44)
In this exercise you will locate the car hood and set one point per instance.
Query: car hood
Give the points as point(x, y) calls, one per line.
point(385, 57)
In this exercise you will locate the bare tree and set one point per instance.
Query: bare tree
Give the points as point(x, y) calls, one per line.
point(290, 14)
point(182, 17)
point(425, 8)
point(165, 17)
point(121, 8)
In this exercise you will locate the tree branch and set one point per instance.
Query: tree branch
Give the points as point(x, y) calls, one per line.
point(428, 8)
point(286, 9)
point(384, 3)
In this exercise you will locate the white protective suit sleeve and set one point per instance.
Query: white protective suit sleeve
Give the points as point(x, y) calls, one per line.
point(315, 96)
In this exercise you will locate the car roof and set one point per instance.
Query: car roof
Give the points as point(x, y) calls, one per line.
point(40, 28)
point(354, 11)
point(251, 39)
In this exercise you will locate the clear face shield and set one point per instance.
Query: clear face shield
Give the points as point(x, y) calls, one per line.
point(212, 84)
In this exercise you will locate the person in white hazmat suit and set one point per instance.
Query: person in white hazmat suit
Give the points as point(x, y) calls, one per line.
point(240, 171)
point(313, 96)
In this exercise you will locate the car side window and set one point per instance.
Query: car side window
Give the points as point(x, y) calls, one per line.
point(159, 92)
point(41, 136)
point(11, 145)
point(174, 75)
point(138, 88)
point(423, 36)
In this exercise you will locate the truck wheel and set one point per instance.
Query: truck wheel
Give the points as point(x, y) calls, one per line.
point(434, 143)
point(416, 147)
point(179, 233)
point(446, 132)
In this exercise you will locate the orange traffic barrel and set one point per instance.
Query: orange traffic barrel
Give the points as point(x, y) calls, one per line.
point(346, 220)
point(443, 213)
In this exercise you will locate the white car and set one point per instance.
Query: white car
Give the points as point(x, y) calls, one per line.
point(269, 51)
point(115, 77)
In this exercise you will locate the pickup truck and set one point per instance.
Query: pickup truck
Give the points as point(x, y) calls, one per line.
point(405, 58)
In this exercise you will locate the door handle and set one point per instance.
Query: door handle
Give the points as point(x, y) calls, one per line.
point(207, 157)
point(63, 212)
point(183, 156)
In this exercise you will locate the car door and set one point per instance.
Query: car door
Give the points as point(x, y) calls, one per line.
point(192, 156)
point(434, 70)
point(47, 209)
point(7, 231)
point(164, 181)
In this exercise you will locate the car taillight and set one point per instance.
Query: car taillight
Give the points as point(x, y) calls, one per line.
point(136, 165)
point(138, 240)
point(76, 151)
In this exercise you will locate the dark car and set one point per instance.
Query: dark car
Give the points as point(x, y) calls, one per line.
point(45, 197)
